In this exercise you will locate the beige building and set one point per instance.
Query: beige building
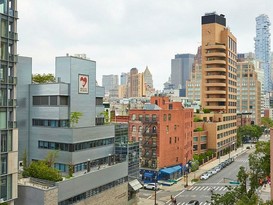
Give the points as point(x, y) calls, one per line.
point(193, 86)
point(136, 85)
point(248, 91)
point(218, 91)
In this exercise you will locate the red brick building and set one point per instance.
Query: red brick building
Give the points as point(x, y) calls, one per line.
point(164, 130)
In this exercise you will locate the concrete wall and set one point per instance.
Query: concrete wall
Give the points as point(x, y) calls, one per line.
point(88, 181)
point(32, 195)
point(71, 135)
point(68, 69)
point(24, 71)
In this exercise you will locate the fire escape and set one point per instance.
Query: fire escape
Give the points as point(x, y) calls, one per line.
point(149, 142)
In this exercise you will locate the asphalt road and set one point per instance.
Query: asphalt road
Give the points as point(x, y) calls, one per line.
point(201, 190)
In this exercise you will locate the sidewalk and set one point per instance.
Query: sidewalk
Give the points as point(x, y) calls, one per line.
point(179, 186)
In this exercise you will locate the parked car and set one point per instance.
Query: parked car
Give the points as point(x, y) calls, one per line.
point(217, 168)
point(193, 202)
point(151, 186)
point(204, 176)
point(213, 171)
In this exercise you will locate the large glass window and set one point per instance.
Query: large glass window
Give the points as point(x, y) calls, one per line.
point(53, 100)
point(63, 100)
point(4, 162)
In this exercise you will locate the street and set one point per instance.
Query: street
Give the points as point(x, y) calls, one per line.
point(201, 190)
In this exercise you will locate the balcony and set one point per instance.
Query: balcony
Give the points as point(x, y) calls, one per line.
point(215, 77)
point(215, 46)
point(12, 124)
point(149, 121)
point(215, 54)
point(13, 35)
point(215, 84)
point(215, 99)
point(215, 107)
point(12, 80)
point(149, 134)
point(220, 62)
point(216, 69)
point(13, 13)
point(13, 58)
point(215, 92)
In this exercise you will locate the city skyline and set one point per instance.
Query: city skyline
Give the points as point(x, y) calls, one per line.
point(126, 34)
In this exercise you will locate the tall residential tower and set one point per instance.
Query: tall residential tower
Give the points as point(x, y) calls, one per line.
point(262, 48)
point(219, 81)
point(8, 126)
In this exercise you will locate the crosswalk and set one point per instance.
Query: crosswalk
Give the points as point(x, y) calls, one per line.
point(185, 203)
point(207, 188)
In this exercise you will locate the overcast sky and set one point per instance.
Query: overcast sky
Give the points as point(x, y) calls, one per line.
point(122, 34)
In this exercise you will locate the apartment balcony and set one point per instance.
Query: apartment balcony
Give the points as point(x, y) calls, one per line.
point(151, 134)
point(13, 13)
point(12, 80)
point(215, 46)
point(215, 84)
point(215, 107)
point(220, 62)
point(216, 69)
point(13, 36)
point(12, 124)
point(215, 54)
point(215, 92)
point(13, 58)
point(215, 99)
point(215, 77)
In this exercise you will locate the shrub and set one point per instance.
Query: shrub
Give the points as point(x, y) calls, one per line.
point(198, 129)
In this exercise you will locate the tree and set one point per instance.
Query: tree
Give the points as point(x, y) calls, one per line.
point(252, 131)
point(51, 158)
point(267, 122)
point(74, 118)
point(45, 78)
point(40, 170)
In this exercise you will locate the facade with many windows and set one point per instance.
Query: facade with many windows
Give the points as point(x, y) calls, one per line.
point(8, 84)
point(85, 146)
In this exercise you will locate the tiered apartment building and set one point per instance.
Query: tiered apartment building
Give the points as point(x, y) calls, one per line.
point(219, 84)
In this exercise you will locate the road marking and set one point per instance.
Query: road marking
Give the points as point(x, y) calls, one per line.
point(153, 194)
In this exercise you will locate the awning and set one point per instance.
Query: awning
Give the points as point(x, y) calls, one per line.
point(171, 170)
point(135, 184)
point(148, 174)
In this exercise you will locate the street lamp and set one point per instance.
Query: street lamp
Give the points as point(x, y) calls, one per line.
point(186, 176)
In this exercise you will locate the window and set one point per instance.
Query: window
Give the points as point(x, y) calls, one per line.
point(169, 117)
point(63, 100)
point(164, 117)
point(134, 128)
point(99, 101)
point(170, 106)
point(53, 100)
point(203, 146)
point(195, 147)
point(170, 140)
point(167, 129)
point(174, 139)
point(147, 117)
point(140, 117)
point(153, 118)
point(203, 138)
point(195, 139)
point(133, 117)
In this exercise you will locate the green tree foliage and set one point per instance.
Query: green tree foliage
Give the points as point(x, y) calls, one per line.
point(40, 170)
point(51, 158)
point(74, 118)
point(44, 78)
point(252, 131)
point(197, 119)
point(198, 129)
point(267, 122)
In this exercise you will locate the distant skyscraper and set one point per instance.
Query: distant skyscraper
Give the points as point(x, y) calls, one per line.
point(181, 70)
point(148, 78)
point(110, 82)
point(262, 48)
point(193, 88)
point(123, 78)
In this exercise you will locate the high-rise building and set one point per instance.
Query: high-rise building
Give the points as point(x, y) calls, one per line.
point(8, 80)
point(136, 86)
point(248, 91)
point(193, 86)
point(123, 78)
point(219, 83)
point(148, 78)
point(110, 82)
point(181, 67)
point(262, 48)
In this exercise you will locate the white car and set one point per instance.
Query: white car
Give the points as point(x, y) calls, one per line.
point(151, 186)
point(204, 176)
point(213, 171)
